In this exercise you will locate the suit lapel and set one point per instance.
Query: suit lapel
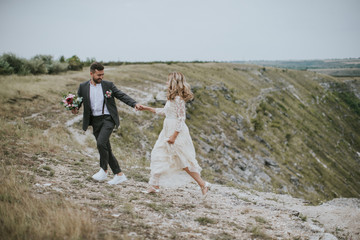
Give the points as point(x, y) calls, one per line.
point(87, 92)
point(104, 88)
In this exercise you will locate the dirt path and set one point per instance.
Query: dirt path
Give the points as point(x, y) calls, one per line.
point(227, 213)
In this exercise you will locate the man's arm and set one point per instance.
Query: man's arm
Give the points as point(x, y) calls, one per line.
point(124, 97)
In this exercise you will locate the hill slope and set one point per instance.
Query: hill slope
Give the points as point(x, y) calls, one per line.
point(254, 128)
point(277, 130)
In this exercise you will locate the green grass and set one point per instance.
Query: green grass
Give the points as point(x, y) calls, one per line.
point(162, 208)
point(205, 220)
point(260, 219)
point(258, 233)
point(303, 217)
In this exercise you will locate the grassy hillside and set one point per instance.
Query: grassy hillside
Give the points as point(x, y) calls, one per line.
point(269, 129)
point(278, 130)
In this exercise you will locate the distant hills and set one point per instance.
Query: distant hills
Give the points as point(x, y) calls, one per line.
point(347, 67)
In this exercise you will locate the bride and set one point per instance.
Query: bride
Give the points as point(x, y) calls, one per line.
point(174, 151)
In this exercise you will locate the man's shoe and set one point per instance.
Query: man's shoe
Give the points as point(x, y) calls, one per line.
point(100, 175)
point(117, 179)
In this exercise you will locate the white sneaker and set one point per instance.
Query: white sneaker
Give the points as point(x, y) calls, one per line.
point(117, 179)
point(100, 175)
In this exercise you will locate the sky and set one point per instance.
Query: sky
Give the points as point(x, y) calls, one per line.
point(181, 30)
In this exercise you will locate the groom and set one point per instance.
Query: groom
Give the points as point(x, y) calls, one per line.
point(100, 111)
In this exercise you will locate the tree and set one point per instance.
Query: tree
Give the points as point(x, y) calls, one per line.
point(62, 59)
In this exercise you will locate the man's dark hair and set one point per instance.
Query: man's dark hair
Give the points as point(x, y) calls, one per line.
point(96, 66)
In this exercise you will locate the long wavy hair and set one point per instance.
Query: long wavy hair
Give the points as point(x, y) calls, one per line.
point(177, 86)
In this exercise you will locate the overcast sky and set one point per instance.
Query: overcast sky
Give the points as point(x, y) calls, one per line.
point(181, 30)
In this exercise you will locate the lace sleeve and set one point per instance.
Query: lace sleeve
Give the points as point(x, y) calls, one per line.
point(160, 111)
point(180, 113)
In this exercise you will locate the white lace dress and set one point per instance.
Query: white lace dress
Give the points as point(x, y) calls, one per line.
point(168, 160)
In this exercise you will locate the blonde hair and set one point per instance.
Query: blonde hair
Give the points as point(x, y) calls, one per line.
point(177, 86)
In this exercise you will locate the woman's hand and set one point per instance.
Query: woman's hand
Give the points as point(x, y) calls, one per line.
point(173, 137)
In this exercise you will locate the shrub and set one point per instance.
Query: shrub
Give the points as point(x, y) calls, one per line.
point(5, 68)
point(36, 66)
point(258, 125)
point(47, 59)
point(24, 70)
point(343, 91)
point(57, 67)
point(74, 63)
point(288, 137)
point(17, 64)
point(89, 61)
point(351, 100)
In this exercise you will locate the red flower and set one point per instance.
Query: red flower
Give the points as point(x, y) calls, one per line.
point(69, 100)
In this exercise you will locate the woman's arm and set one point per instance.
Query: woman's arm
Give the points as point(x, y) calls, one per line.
point(146, 108)
point(173, 137)
point(159, 111)
point(180, 115)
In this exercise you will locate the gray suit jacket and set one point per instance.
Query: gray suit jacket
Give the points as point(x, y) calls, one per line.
point(84, 92)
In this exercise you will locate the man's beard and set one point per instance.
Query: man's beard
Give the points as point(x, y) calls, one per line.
point(97, 81)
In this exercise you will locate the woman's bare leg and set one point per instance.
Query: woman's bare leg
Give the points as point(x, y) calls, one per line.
point(152, 188)
point(154, 183)
point(196, 176)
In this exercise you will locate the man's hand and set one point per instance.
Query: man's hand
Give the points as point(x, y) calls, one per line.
point(139, 107)
point(75, 111)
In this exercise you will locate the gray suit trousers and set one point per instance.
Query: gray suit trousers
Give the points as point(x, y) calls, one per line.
point(103, 126)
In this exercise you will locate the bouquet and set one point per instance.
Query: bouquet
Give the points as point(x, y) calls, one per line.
point(71, 101)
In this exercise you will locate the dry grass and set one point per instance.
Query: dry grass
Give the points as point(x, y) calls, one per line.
point(24, 216)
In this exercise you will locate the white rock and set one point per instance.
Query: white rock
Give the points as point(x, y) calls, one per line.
point(132, 234)
point(328, 236)
point(315, 228)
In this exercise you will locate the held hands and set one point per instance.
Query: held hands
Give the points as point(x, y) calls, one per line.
point(139, 107)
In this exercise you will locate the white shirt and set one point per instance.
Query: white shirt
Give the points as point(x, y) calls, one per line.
point(97, 100)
